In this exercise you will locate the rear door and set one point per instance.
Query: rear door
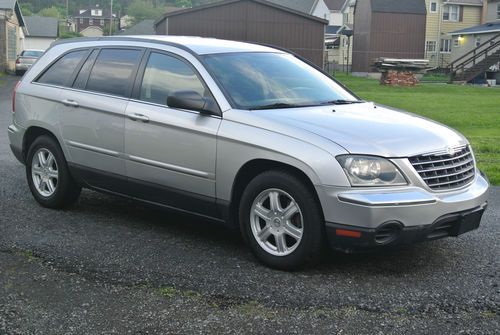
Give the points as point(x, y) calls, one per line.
point(171, 152)
point(92, 117)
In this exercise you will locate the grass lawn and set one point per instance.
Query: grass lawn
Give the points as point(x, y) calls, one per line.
point(474, 111)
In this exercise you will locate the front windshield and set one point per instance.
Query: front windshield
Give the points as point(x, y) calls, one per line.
point(260, 80)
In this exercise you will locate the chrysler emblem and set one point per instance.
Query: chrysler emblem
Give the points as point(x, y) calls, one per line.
point(450, 150)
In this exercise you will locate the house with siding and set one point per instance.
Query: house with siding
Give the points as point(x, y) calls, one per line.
point(316, 8)
point(387, 28)
point(339, 34)
point(346, 35)
point(335, 8)
point(443, 17)
point(11, 34)
point(40, 32)
point(476, 50)
point(93, 21)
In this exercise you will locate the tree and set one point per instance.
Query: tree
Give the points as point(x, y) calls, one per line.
point(26, 9)
point(141, 10)
point(51, 12)
point(69, 34)
point(183, 3)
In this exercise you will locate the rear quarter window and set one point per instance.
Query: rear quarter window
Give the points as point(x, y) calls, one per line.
point(60, 72)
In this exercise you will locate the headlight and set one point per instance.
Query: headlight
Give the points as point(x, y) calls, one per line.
point(370, 171)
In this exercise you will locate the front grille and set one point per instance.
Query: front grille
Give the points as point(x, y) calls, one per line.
point(446, 171)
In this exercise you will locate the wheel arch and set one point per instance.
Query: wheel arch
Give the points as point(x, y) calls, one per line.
point(31, 134)
point(253, 168)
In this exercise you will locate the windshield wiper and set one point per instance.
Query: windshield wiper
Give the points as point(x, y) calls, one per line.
point(276, 106)
point(342, 102)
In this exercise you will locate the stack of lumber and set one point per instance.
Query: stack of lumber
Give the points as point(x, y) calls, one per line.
point(414, 65)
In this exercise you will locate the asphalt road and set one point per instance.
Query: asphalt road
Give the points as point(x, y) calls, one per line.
point(113, 266)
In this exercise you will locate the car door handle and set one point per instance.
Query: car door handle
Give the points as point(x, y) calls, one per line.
point(71, 103)
point(138, 117)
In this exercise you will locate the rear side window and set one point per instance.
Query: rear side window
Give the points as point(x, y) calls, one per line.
point(60, 72)
point(166, 74)
point(113, 70)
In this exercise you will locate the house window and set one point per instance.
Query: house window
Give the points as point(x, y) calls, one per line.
point(456, 42)
point(91, 22)
point(81, 21)
point(445, 46)
point(101, 22)
point(433, 7)
point(451, 13)
point(346, 18)
point(478, 41)
point(430, 46)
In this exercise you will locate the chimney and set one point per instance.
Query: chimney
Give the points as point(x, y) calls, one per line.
point(484, 16)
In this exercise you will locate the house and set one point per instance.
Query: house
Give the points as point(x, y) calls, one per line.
point(40, 32)
point(11, 34)
point(476, 50)
point(257, 21)
point(491, 11)
point(443, 17)
point(94, 21)
point(145, 27)
point(316, 8)
point(335, 8)
point(387, 28)
point(339, 34)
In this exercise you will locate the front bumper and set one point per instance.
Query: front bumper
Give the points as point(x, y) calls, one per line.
point(399, 215)
point(394, 233)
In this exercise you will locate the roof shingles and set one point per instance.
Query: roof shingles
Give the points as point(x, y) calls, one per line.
point(41, 26)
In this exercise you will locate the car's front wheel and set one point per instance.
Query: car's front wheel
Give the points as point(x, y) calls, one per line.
point(48, 176)
point(281, 220)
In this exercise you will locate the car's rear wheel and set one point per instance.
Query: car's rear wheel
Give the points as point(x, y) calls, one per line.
point(281, 221)
point(48, 175)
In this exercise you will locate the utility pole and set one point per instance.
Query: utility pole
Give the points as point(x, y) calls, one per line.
point(111, 20)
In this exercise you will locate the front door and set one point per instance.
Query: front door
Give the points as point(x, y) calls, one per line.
point(171, 153)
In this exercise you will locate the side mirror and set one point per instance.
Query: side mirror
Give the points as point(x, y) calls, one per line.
point(192, 100)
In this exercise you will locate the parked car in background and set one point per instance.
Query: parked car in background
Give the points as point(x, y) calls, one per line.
point(245, 134)
point(26, 59)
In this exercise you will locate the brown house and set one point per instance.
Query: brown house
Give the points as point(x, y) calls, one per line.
point(93, 22)
point(388, 28)
point(252, 21)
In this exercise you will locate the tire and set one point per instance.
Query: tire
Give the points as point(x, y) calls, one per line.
point(48, 175)
point(290, 237)
point(19, 73)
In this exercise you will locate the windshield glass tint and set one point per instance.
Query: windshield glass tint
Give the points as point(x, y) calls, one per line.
point(256, 80)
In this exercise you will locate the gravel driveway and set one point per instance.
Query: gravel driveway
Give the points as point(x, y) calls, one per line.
point(113, 266)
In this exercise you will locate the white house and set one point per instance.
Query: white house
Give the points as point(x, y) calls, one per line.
point(40, 32)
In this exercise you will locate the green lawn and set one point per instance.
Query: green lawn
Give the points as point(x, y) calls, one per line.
point(474, 111)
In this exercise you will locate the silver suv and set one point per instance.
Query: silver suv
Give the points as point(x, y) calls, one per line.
point(240, 133)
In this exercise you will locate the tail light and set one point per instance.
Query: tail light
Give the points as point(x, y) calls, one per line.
point(14, 97)
point(18, 61)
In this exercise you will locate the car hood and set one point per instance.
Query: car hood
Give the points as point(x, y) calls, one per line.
point(366, 128)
